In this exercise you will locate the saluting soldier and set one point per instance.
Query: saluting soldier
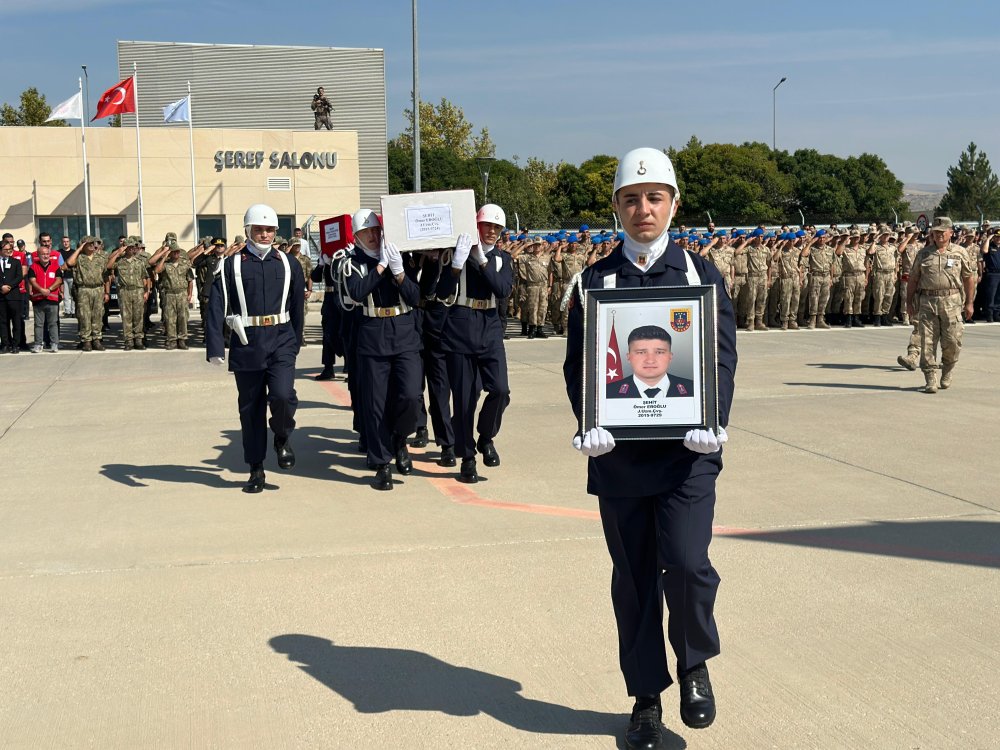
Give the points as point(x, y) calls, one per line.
point(173, 269)
point(130, 264)
point(883, 261)
point(657, 498)
point(855, 278)
point(819, 255)
point(790, 273)
point(941, 277)
point(473, 340)
point(536, 272)
point(388, 348)
point(89, 270)
point(296, 250)
point(259, 293)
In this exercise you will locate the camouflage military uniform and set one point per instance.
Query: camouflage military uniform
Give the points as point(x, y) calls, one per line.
point(820, 262)
point(739, 286)
point(131, 274)
point(938, 303)
point(174, 282)
point(790, 288)
point(853, 260)
point(758, 261)
point(88, 278)
point(555, 294)
point(883, 281)
point(535, 277)
point(837, 286)
point(722, 256)
point(306, 262)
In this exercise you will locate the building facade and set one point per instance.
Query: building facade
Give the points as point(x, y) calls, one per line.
point(299, 173)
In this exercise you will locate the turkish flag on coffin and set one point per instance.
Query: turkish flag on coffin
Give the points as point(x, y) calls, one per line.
point(116, 100)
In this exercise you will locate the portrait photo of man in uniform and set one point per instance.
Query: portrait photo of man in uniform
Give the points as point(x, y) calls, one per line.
point(649, 356)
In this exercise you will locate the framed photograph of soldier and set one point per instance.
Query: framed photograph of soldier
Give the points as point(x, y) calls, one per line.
point(415, 222)
point(650, 367)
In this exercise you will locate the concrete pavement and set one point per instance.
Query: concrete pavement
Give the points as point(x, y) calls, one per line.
point(148, 603)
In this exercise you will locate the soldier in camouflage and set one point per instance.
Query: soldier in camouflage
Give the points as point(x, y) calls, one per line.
point(89, 269)
point(130, 265)
point(174, 271)
point(295, 250)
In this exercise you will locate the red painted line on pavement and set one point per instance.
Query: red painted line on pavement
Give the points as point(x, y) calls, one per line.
point(341, 396)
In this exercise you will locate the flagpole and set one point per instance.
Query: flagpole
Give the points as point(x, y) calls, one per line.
point(194, 203)
point(138, 148)
point(83, 139)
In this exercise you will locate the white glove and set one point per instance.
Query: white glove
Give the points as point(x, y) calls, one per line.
point(383, 259)
point(595, 442)
point(479, 255)
point(324, 259)
point(394, 258)
point(705, 441)
point(217, 360)
point(462, 249)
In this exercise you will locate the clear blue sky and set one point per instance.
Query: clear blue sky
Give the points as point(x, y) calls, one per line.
point(912, 81)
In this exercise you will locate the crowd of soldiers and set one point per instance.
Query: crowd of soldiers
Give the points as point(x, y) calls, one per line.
point(145, 283)
point(786, 278)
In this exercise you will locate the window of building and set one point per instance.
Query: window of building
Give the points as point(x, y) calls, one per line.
point(286, 226)
point(212, 226)
point(108, 228)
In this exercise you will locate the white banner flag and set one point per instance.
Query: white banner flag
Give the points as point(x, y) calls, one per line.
point(71, 109)
point(179, 111)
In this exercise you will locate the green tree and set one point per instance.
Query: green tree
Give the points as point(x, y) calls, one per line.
point(972, 187)
point(444, 127)
point(32, 110)
point(875, 189)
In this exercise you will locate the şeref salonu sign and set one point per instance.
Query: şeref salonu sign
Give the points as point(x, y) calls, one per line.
point(275, 160)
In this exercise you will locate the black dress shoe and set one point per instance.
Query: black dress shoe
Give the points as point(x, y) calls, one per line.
point(468, 473)
point(383, 478)
point(327, 374)
point(489, 451)
point(857, 322)
point(697, 701)
point(421, 439)
point(256, 482)
point(539, 333)
point(403, 463)
point(286, 457)
point(447, 456)
point(645, 728)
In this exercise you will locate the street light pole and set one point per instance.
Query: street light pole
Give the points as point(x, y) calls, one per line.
point(416, 107)
point(774, 114)
point(83, 124)
point(485, 162)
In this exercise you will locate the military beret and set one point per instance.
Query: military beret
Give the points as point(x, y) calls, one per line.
point(720, 233)
point(799, 234)
point(621, 235)
point(757, 232)
point(769, 235)
point(821, 233)
point(740, 232)
point(522, 236)
point(703, 242)
point(584, 227)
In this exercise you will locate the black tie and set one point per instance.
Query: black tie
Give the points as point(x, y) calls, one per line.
point(650, 392)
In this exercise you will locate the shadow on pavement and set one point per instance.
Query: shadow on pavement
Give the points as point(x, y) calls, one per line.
point(379, 680)
point(949, 541)
point(137, 476)
point(862, 386)
point(836, 366)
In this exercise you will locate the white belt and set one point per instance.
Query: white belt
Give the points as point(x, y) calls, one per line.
point(371, 311)
point(477, 304)
point(266, 320)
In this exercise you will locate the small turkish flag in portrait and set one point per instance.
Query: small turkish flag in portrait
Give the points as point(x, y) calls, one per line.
point(116, 100)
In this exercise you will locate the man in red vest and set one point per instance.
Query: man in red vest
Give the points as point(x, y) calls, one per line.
point(44, 287)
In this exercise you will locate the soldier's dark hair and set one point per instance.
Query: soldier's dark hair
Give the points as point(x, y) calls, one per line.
point(649, 333)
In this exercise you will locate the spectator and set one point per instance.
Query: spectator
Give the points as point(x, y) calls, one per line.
point(11, 276)
point(44, 282)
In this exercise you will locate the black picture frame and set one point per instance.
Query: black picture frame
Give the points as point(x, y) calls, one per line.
point(619, 406)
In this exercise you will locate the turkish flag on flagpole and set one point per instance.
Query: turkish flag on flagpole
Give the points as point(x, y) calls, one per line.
point(614, 360)
point(117, 100)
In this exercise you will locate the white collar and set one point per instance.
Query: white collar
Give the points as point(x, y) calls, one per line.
point(253, 249)
point(649, 252)
point(663, 385)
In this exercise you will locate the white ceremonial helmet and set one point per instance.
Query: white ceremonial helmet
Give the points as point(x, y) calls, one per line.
point(260, 215)
point(645, 165)
point(493, 214)
point(364, 218)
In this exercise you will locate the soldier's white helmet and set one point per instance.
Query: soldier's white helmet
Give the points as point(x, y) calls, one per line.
point(260, 215)
point(493, 214)
point(364, 218)
point(645, 165)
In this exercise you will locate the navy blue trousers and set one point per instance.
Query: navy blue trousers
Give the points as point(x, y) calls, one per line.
point(259, 390)
point(991, 296)
point(438, 392)
point(332, 345)
point(469, 374)
point(400, 375)
point(659, 549)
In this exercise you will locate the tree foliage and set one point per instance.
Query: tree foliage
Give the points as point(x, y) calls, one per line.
point(31, 110)
point(444, 127)
point(973, 188)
